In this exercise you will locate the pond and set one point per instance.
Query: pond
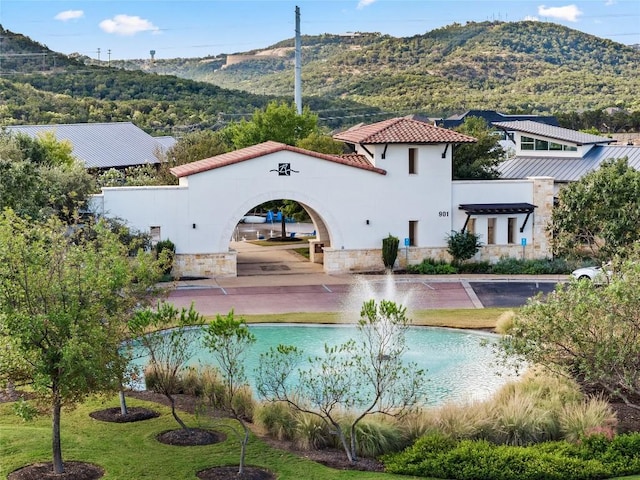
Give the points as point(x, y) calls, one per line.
point(460, 364)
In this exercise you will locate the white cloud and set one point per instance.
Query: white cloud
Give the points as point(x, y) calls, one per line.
point(127, 25)
point(608, 3)
point(69, 15)
point(365, 3)
point(530, 18)
point(569, 12)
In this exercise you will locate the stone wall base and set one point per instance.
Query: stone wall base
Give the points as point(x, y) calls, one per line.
point(205, 265)
point(353, 261)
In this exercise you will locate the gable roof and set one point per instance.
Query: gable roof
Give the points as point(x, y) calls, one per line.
point(556, 133)
point(564, 169)
point(401, 130)
point(268, 148)
point(103, 145)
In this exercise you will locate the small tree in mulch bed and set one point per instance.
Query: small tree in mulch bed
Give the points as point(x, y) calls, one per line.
point(228, 340)
point(169, 350)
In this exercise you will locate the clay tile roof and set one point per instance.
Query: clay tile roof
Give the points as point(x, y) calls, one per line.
point(267, 148)
point(401, 130)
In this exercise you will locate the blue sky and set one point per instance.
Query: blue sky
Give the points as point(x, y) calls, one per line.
point(197, 28)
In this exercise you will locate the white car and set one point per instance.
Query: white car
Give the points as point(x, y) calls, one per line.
point(595, 274)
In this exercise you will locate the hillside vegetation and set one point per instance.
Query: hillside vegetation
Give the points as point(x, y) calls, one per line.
point(514, 67)
point(511, 67)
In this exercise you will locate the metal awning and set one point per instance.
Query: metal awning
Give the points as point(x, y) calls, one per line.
point(497, 209)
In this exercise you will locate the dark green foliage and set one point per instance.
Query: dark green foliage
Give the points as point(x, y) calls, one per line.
point(463, 245)
point(167, 249)
point(595, 457)
point(432, 267)
point(504, 266)
point(390, 250)
point(599, 213)
point(480, 160)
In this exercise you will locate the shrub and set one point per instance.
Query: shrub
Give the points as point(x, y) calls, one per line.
point(390, 250)
point(244, 404)
point(311, 432)
point(593, 416)
point(442, 457)
point(277, 419)
point(429, 266)
point(376, 437)
point(463, 245)
point(166, 251)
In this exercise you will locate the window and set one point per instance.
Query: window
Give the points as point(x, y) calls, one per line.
point(491, 231)
point(512, 229)
point(413, 233)
point(413, 161)
point(154, 232)
point(526, 143)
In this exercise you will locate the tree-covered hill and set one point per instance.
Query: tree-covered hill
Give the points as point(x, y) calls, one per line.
point(39, 86)
point(508, 66)
point(512, 67)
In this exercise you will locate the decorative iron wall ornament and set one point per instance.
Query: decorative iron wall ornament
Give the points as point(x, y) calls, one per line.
point(284, 170)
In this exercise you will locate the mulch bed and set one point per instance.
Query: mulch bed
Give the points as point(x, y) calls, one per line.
point(189, 437)
point(44, 471)
point(231, 473)
point(134, 414)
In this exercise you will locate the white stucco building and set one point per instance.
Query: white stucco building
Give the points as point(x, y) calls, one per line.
point(397, 181)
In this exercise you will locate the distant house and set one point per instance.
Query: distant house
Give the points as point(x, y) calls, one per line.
point(491, 117)
point(105, 145)
point(566, 155)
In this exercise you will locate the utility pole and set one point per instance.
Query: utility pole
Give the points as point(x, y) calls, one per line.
point(298, 72)
point(98, 53)
point(109, 58)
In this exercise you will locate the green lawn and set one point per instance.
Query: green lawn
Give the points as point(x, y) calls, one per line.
point(129, 451)
point(478, 318)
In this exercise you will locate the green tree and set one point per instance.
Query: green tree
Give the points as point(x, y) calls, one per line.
point(477, 161)
point(317, 142)
point(585, 332)
point(463, 245)
point(366, 376)
point(167, 336)
point(279, 122)
point(62, 299)
point(39, 178)
point(228, 339)
point(599, 213)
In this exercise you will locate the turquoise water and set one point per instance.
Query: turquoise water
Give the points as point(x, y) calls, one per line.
point(459, 367)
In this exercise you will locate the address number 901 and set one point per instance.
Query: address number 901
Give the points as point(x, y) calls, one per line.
point(443, 213)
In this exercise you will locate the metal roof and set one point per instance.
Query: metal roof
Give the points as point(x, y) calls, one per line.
point(496, 208)
point(552, 132)
point(103, 145)
point(568, 169)
point(491, 117)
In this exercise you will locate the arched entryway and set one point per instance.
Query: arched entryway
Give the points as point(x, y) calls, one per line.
point(260, 248)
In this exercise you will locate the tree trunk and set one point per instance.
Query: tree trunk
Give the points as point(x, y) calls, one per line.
point(58, 466)
point(174, 413)
point(123, 402)
point(343, 441)
point(283, 226)
point(243, 446)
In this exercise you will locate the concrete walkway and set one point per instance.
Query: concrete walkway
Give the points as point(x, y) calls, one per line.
point(278, 280)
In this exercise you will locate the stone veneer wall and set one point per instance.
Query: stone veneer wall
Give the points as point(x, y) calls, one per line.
point(543, 199)
point(205, 265)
